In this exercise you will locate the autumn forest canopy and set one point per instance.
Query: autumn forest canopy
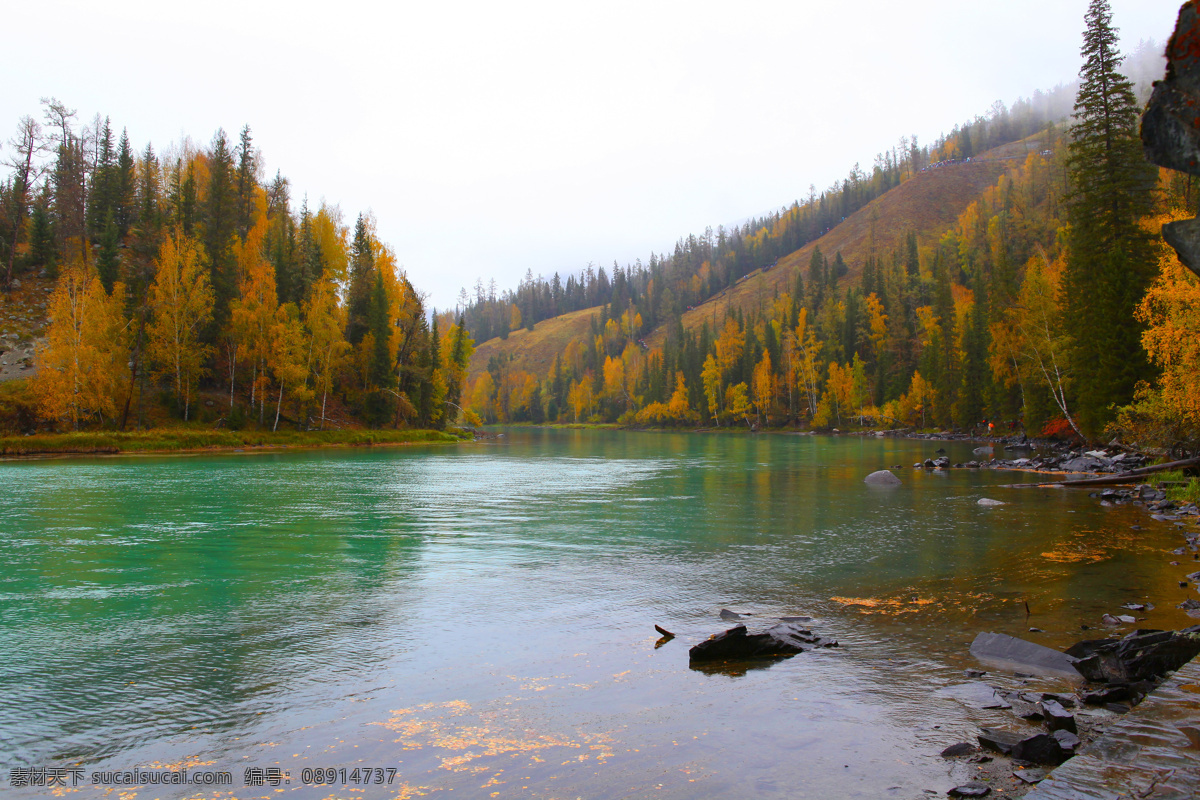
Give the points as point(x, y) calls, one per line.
point(1009, 271)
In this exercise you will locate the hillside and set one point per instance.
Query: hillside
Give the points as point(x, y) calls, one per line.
point(928, 204)
point(533, 351)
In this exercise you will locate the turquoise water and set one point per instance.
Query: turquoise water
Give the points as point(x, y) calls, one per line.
point(480, 617)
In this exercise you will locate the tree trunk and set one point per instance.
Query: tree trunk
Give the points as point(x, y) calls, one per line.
point(278, 403)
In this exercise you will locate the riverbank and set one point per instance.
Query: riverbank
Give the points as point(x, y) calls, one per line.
point(184, 440)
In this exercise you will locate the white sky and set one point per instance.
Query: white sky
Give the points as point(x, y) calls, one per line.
point(489, 138)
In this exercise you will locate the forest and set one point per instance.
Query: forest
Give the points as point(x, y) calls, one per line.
point(189, 289)
point(1049, 306)
point(186, 276)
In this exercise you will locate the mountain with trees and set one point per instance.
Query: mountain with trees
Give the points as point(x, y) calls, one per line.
point(955, 284)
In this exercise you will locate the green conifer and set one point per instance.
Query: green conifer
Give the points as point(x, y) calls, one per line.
point(1110, 259)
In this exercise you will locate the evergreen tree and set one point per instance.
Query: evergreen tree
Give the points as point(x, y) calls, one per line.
point(362, 278)
point(124, 188)
point(219, 226)
point(107, 262)
point(1110, 261)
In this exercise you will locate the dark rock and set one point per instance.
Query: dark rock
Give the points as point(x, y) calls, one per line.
point(881, 477)
point(941, 462)
point(1067, 740)
point(959, 750)
point(1027, 711)
point(1087, 647)
point(1064, 700)
point(972, 789)
point(1030, 775)
point(1170, 134)
point(1135, 606)
point(998, 740)
point(928, 463)
point(1110, 621)
point(978, 673)
point(731, 615)
point(1142, 655)
point(778, 641)
point(795, 619)
point(1111, 694)
point(1057, 717)
point(1009, 652)
point(1084, 464)
point(1041, 748)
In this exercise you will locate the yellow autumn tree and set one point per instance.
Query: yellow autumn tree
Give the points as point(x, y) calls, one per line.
point(737, 402)
point(82, 367)
point(678, 406)
point(181, 301)
point(253, 316)
point(711, 375)
point(1171, 311)
point(764, 386)
point(325, 319)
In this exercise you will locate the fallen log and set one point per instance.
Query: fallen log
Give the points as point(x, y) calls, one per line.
point(1107, 480)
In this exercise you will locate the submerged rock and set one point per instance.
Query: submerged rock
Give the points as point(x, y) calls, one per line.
point(1017, 654)
point(881, 477)
point(972, 789)
point(959, 750)
point(731, 615)
point(987, 501)
point(777, 641)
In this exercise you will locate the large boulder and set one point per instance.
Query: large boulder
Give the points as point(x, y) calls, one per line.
point(1018, 655)
point(883, 477)
point(1171, 129)
point(736, 644)
point(1084, 464)
point(1142, 655)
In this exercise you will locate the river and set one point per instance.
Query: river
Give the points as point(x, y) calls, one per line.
point(479, 618)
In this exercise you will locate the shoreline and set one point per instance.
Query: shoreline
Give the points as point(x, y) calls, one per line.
point(191, 442)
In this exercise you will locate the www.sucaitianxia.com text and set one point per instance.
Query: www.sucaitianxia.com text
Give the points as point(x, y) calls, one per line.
point(54, 777)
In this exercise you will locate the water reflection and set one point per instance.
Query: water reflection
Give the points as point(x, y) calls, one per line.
point(483, 617)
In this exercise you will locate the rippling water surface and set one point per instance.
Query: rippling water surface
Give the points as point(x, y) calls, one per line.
point(481, 617)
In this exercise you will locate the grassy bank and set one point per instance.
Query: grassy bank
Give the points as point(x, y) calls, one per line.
point(174, 440)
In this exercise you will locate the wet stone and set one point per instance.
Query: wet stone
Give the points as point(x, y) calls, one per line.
point(1041, 748)
point(972, 789)
point(998, 740)
point(959, 750)
point(1058, 718)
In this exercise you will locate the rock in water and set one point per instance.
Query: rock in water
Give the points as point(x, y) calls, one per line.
point(777, 641)
point(730, 615)
point(959, 750)
point(1011, 653)
point(987, 501)
point(972, 789)
point(882, 477)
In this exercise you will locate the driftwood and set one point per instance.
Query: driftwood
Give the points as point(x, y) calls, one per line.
point(664, 631)
point(1108, 480)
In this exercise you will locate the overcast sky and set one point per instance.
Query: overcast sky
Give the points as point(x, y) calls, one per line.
point(489, 138)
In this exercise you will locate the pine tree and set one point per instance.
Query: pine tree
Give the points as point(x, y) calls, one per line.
point(1110, 260)
point(362, 269)
point(219, 226)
